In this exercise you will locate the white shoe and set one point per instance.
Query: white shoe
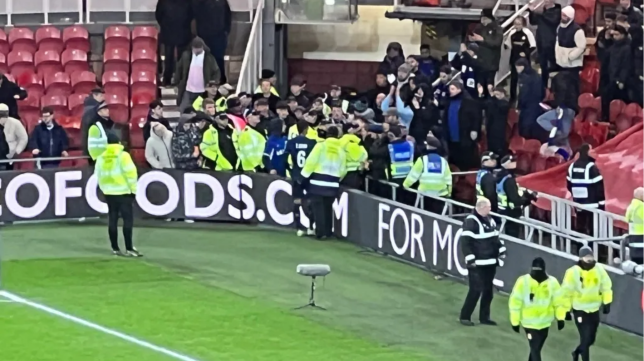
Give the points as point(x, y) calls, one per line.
point(310, 232)
point(189, 221)
point(300, 233)
point(168, 219)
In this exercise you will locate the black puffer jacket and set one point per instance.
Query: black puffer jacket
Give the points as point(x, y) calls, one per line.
point(213, 17)
point(426, 116)
point(174, 18)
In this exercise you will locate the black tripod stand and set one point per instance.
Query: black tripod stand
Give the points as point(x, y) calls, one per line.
point(311, 298)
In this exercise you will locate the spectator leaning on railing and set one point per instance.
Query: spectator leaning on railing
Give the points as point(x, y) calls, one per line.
point(49, 139)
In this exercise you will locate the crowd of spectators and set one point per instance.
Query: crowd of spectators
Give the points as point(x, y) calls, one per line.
point(413, 97)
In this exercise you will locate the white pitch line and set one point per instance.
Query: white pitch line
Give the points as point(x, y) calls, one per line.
point(14, 298)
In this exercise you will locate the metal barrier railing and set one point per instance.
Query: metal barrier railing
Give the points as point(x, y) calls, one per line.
point(39, 160)
point(534, 230)
point(251, 67)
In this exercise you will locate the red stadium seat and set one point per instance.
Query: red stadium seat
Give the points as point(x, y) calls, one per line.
point(4, 43)
point(538, 163)
point(58, 102)
point(138, 156)
point(76, 37)
point(83, 82)
point(58, 84)
point(553, 162)
point(633, 110)
point(117, 36)
point(145, 37)
point(70, 121)
point(575, 141)
point(25, 166)
point(20, 62)
point(141, 104)
point(32, 83)
point(144, 60)
point(532, 146)
point(616, 108)
point(589, 80)
point(116, 59)
point(76, 104)
point(599, 131)
point(513, 117)
point(74, 60)
point(585, 101)
point(3, 64)
point(119, 107)
point(581, 14)
point(22, 39)
point(75, 142)
point(524, 161)
point(143, 82)
point(136, 132)
point(622, 122)
point(115, 82)
point(47, 62)
point(49, 38)
point(516, 144)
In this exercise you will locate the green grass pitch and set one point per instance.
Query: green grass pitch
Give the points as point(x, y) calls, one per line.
point(226, 293)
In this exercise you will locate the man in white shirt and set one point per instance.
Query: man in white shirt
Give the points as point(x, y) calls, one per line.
point(195, 70)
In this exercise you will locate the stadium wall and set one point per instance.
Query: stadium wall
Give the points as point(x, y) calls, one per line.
point(425, 239)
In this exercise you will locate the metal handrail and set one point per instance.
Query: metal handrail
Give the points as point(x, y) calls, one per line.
point(530, 226)
point(39, 160)
point(252, 62)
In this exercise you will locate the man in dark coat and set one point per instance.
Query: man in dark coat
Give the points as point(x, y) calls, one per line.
point(174, 18)
point(496, 113)
point(547, 20)
point(489, 37)
point(620, 66)
point(530, 95)
point(95, 97)
point(462, 126)
point(602, 48)
point(10, 93)
point(208, 66)
point(48, 139)
point(213, 19)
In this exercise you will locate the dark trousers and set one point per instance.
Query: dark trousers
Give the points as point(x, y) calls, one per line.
point(353, 180)
point(304, 205)
point(511, 228)
point(587, 324)
point(322, 207)
point(481, 286)
point(609, 93)
point(514, 80)
point(546, 62)
point(536, 340)
point(432, 205)
point(218, 44)
point(120, 206)
point(486, 78)
point(402, 195)
point(170, 61)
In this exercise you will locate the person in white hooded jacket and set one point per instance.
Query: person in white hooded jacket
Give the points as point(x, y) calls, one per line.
point(158, 147)
point(15, 134)
point(571, 41)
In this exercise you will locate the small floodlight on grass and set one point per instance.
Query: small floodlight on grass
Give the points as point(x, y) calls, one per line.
point(313, 271)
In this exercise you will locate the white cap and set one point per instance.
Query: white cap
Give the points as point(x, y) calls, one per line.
point(4, 107)
point(569, 11)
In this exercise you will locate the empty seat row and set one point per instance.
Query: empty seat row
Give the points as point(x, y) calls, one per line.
point(44, 61)
point(83, 82)
point(76, 37)
point(120, 59)
point(57, 83)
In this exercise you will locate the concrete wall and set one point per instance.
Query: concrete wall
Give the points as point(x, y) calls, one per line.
point(364, 40)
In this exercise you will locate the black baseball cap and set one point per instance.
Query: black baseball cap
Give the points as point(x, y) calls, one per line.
point(488, 155)
point(508, 159)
